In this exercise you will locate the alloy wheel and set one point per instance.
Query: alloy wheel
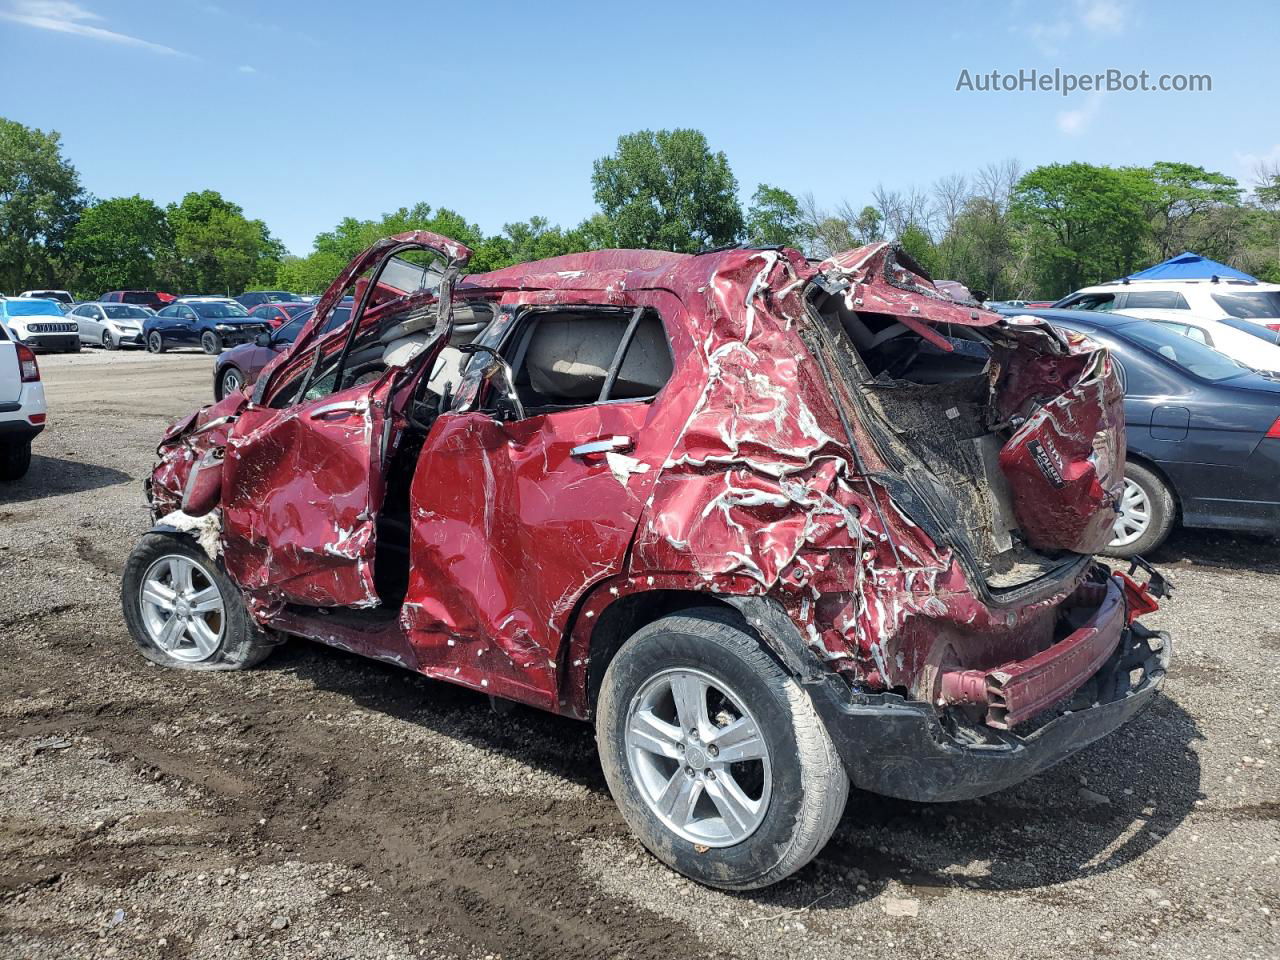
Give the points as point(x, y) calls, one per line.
point(182, 608)
point(231, 381)
point(698, 757)
point(1134, 517)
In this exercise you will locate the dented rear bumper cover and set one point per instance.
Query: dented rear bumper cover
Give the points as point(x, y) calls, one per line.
point(901, 748)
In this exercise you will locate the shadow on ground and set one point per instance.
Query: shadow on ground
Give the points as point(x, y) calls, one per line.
point(1046, 831)
point(54, 476)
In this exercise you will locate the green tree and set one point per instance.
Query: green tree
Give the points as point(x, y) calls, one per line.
point(1081, 223)
point(216, 248)
point(666, 190)
point(119, 243)
point(919, 247)
point(774, 218)
point(1181, 199)
point(40, 200)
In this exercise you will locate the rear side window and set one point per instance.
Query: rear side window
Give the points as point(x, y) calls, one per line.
point(1155, 300)
point(574, 358)
point(1092, 301)
point(1254, 305)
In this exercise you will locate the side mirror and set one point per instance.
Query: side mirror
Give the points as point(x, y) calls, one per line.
point(498, 373)
point(263, 340)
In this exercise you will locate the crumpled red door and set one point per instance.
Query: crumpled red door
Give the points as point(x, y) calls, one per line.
point(301, 490)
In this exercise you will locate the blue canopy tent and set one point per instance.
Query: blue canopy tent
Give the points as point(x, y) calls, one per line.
point(1190, 266)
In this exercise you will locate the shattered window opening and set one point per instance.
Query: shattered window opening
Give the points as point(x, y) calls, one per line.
point(566, 358)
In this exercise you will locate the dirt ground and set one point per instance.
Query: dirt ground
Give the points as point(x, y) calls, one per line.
point(325, 806)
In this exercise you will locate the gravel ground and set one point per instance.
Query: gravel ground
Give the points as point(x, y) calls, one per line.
point(325, 806)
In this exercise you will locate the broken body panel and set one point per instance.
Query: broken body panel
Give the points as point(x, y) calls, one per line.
point(906, 488)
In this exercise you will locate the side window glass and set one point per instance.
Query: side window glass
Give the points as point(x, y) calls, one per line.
point(1195, 333)
point(574, 358)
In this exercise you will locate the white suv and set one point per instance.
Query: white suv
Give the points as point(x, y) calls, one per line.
point(22, 407)
point(1212, 299)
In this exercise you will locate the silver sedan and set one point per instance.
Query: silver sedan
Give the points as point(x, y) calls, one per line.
point(110, 325)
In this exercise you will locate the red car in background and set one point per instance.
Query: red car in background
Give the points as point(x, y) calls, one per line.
point(155, 299)
point(278, 314)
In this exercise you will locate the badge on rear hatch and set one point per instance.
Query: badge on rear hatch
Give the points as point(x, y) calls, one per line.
point(1046, 464)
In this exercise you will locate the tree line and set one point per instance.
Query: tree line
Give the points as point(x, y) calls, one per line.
point(1008, 233)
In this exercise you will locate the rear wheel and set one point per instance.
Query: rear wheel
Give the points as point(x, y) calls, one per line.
point(15, 459)
point(210, 343)
point(714, 755)
point(155, 342)
point(1146, 514)
point(184, 612)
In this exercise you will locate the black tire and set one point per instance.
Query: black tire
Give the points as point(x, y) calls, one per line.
point(109, 342)
point(224, 386)
point(155, 342)
point(15, 459)
point(241, 644)
point(211, 343)
point(74, 348)
point(1162, 509)
point(808, 786)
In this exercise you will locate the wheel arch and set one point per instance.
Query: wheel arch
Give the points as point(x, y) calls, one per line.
point(1148, 464)
point(613, 611)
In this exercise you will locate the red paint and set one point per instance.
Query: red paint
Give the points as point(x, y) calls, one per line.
point(742, 480)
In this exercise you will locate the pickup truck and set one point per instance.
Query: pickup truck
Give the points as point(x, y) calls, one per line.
point(22, 407)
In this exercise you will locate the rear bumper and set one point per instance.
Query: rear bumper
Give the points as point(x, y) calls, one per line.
point(902, 748)
point(18, 429)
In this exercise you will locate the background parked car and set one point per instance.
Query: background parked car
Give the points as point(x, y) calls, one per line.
point(254, 298)
point(22, 407)
point(61, 296)
point(1203, 433)
point(1214, 298)
point(278, 314)
point(212, 324)
point(39, 324)
point(240, 366)
point(1252, 344)
point(110, 325)
point(155, 299)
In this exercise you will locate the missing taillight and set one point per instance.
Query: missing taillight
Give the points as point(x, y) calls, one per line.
point(27, 362)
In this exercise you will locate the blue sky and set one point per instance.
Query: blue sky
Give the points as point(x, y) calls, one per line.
point(305, 112)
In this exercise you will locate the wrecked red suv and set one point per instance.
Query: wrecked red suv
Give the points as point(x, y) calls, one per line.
point(775, 527)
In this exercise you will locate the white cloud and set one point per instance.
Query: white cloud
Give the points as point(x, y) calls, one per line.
point(63, 16)
point(1075, 122)
point(1250, 168)
point(245, 68)
point(1103, 16)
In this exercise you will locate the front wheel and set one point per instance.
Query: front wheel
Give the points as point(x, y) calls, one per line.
point(1146, 514)
point(74, 348)
point(184, 612)
point(211, 343)
point(229, 381)
point(108, 341)
point(714, 755)
point(15, 459)
point(155, 342)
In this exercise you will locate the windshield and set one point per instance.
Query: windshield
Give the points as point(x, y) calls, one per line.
point(32, 308)
point(1254, 305)
point(215, 311)
point(120, 311)
point(1190, 355)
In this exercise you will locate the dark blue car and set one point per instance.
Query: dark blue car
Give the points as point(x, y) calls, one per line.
point(213, 325)
point(1203, 433)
